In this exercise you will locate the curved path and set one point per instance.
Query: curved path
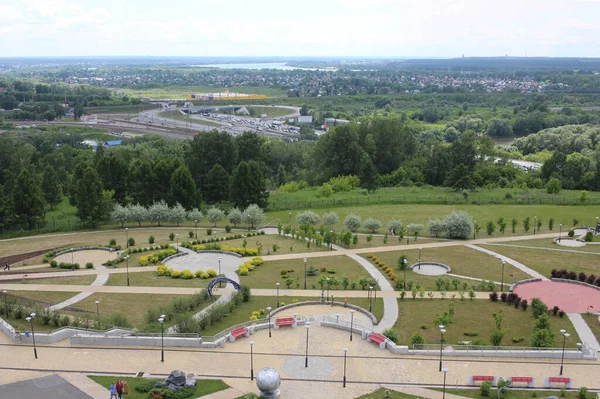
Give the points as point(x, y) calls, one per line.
point(510, 261)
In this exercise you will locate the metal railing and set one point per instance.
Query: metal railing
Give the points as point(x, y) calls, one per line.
point(467, 347)
point(334, 320)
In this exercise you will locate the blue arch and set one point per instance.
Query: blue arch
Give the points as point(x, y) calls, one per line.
point(218, 280)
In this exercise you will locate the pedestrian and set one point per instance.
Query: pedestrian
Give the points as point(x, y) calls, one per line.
point(120, 388)
point(6, 265)
point(113, 391)
point(346, 302)
point(322, 296)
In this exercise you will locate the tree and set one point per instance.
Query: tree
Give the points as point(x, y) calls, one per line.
point(248, 185)
point(90, 200)
point(216, 185)
point(28, 204)
point(159, 212)
point(490, 227)
point(497, 127)
point(120, 214)
point(526, 223)
point(235, 216)
point(253, 215)
point(137, 213)
point(514, 224)
point(501, 224)
point(458, 225)
point(214, 215)
point(352, 222)
point(436, 227)
point(330, 219)
point(368, 174)
point(195, 215)
point(113, 171)
point(51, 187)
point(177, 214)
point(395, 226)
point(307, 218)
point(372, 225)
point(208, 149)
point(183, 188)
point(553, 186)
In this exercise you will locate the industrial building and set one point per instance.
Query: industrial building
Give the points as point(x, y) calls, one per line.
point(225, 96)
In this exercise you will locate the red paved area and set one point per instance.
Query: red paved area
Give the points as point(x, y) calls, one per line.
point(572, 298)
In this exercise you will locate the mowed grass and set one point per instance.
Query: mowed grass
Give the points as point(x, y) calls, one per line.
point(422, 213)
point(269, 273)
point(462, 260)
point(183, 117)
point(285, 245)
point(593, 322)
point(46, 297)
point(76, 280)
point(151, 279)
point(472, 316)
point(203, 387)
point(511, 393)
point(272, 112)
point(548, 243)
point(381, 393)
point(544, 261)
point(378, 241)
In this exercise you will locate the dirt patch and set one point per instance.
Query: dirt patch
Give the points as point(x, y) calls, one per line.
point(97, 257)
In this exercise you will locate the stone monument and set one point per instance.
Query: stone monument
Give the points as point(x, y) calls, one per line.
point(268, 381)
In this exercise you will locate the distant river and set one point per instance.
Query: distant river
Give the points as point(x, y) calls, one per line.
point(265, 65)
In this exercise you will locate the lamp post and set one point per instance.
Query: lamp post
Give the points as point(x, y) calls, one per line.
point(307, 326)
point(304, 273)
point(351, 323)
point(562, 359)
point(98, 313)
point(196, 228)
point(441, 343)
point(72, 261)
point(290, 213)
point(251, 361)
point(502, 283)
point(327, 288)
point(269, 310)
point(345, 352)
point(177, 242)
point(534, 224)
point(127, 265)
point(126, 237)
point(579, 345)
point(277, 284)
point(445, 370)
point(161, 320)
point(405, 267)
point(420, 250)
point(331, 240)
point(5, 303)
point(219, 259)
point(370, 297)
point(474, 229)
point(30, 320)
point(559, 231)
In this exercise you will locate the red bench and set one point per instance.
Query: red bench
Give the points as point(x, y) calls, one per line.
point(481, 378)
point(285, 321)
point(558, 380)
point(238, 332)
point(527, 380)
point(377, 338)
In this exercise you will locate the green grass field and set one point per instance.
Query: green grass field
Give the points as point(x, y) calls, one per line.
point(471, 316)
point(77, 280)
point(181, 117)
point(120, 109)
point(381, 393)
point(151, 279)
point(549, 244)
point(544, 261)
point(46, 297)
point(269, 273)
point(592, 321)
point(272, 112)
point(203, 387)
point(286, 245)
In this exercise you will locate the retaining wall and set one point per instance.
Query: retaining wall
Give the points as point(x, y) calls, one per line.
point(565, 280)
point(306, 303)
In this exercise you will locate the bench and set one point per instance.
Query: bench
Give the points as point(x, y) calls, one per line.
point(378, 339)
point(237, 333)
point(558, 380)
point(481, 378)
point(284, 321)
point(527, 380)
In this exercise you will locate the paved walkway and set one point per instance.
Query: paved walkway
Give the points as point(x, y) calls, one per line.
point(548, 249)
point(584, 331)
point(423, 392)
point(86, 384)
point(193, 261)
point(101, 279)
point(510, 261)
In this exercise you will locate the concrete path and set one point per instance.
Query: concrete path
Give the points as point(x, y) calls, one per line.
point(226, 297)
point(549, 249)
point(204, 261)
point(229, 393)
point(470, 278)
point(584, 331)
point(86, 384)
point(101, 279)
point(510, 261)
point(422, 392)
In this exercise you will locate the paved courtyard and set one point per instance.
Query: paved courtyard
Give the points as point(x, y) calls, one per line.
point(572, 298)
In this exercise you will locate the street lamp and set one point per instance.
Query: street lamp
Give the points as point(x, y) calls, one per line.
point(196, 228)
point(5, 303)
point(72, 261)
point(370, 297)
point(98, 313)
point(331, 240)
point(441, 343)
point(177, 242)
point(30, 320)
point(304, 273)
point(474, 229)
point(328, 287)
point(534, 224)
point(502, 283)
point(445, 370)
point(251, 361)
point(219, 259)
point(269, 310)
point(565, 336)
point(161, 320)
point(290, 213)
point(127, 265)
point(307, 326)
point(126, 237)
point(405, 267)
point(277, 284)
point(351, 323)
point(345, 352)
point(559, 232)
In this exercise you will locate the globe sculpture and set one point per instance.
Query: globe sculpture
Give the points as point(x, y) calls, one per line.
point(268, 381)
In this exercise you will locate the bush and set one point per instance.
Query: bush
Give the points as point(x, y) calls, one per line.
point(494, 296)
point(390, 334)
point(372, 225)
point(187, 275)
point(324, 191)
point(243, 271)
point(583, 391)
point(53, 263)
point(151, 240)
point(485, 388)
point(171, 236)
point(538, 307)
point(352, 222)
point(561, 314)
point(228, 228)
point(308, 218)
point(589, 237)
point(458, 225)
point(416, 339)
point(89, 265)
point(516, 340)
point(246, 294)
point(131, 241)
point(571, 233)
point(436, 227)
point(471, 333)
point(145, 386)
point(112, 241)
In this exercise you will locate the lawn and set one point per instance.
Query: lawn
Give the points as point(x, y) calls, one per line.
point(381, 394)
point(150, 279)
point(46, 297)
point(462, 260)
point(286, 245)
point(121, 109)
point(77, 280)
point(548, 243)
point(511, 394)
point(377, 241)
point(269, 273)
point(471, 316)
point(183, 117)
point(592, 321)
point(544, 261)
point(422, 213)
point(203, 387)
point(272, 112)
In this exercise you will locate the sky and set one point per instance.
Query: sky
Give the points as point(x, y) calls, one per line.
point(376, 28)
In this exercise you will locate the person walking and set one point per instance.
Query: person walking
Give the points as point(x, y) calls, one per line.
point(346, 302)
point(113, 391)
point(6, 265)
point(120, 389)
